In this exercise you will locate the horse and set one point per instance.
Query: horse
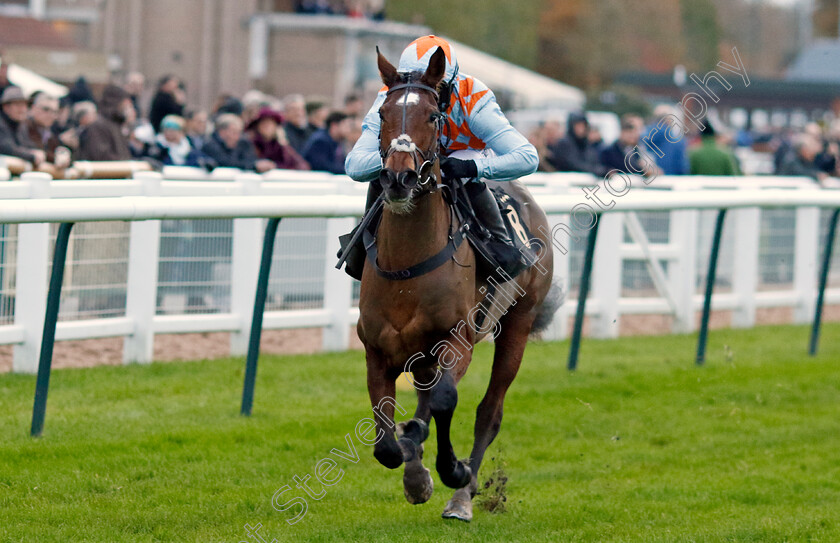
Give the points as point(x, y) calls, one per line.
point(417, 322)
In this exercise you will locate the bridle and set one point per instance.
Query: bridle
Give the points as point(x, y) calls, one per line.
point(424, 161)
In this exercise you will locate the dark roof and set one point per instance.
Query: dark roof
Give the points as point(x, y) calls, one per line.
point(760, 93)
point(26, 32)
point(819, 62)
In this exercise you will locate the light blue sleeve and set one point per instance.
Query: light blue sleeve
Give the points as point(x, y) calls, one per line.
point(515, 156)
point(363, 162)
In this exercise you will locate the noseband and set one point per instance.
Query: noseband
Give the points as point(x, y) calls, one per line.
point(424, 161)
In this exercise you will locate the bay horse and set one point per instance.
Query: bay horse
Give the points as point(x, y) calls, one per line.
point(418, 322)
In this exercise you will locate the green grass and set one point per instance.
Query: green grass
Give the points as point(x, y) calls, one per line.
point(637, 445)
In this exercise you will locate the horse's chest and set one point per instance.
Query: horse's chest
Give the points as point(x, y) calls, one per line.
point(409, 324)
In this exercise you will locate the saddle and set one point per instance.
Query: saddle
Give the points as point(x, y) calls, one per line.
point(486, 248)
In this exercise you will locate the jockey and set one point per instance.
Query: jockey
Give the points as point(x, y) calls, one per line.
point(477, 143)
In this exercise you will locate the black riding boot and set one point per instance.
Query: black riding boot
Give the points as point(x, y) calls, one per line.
point(355, 263)
point(487, 212)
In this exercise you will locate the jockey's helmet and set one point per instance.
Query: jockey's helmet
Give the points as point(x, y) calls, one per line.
point(417, 55)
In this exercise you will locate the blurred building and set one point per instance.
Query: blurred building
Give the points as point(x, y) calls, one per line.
point(227, 46)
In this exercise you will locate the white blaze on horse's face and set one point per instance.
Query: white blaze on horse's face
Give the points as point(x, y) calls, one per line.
point(409, 99)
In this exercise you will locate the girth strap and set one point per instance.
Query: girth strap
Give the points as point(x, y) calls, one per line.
point(422, 268)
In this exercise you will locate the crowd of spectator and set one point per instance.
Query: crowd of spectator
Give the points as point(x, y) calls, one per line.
point(650, 149)
point(255, 132)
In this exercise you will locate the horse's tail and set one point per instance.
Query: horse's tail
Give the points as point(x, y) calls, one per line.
point(552, 302)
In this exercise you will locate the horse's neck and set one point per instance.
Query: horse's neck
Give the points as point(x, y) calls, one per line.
point(406, 240)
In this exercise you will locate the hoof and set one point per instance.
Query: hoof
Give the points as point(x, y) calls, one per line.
point(460, 506)
point(417, 482)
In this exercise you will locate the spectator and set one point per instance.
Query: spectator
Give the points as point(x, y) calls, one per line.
point(135, 83)
point(354, 106)
point(574, 153)
point(169, 100)
point(672, 158)
point(709, 158)
point(317, 112)
point(80, 92)
point(196, 127)
point(173, 148)
point(297, 127)
point(325, 150)
point(82, 115)
point(231, 105)
point(544, 138)
point(314, 7)
point(229, 149)
point(596, 140)
point(619, 156)
point(104, 139)
point(265, 133)
point(43, 112)
point(14, 140)
point(802, 161)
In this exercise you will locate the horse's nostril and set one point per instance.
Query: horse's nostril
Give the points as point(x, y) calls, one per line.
point(387, 178)
point(408, 179)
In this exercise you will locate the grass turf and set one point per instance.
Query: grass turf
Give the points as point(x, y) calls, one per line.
point(637, 445)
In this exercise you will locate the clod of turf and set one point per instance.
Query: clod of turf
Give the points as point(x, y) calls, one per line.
point(492, 496)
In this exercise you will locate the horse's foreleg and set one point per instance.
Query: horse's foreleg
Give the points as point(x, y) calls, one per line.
point(382, 391)
point(417, 481)
point(510, 346)
point(443, 400)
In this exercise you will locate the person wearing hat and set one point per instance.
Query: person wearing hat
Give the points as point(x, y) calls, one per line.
point(265, 132)
point(14, 140)
point(104, 139)
point(173, 148)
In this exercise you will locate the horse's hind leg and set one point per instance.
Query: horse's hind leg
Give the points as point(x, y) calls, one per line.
point(510, 346)
point(444, 398)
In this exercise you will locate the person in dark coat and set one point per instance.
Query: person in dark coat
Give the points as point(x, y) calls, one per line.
point(228, 149)
point(574, 153)
point(80, 92)
point(43, 111)
point(325, 151)
point(620, 156)
point(265, 133)
point(802, 161)
point(104, 139)
point(14, 140)
point(297, 127)
point(172, 147)
point(169, 100)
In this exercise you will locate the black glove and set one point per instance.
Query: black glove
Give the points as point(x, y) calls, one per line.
point(454, 168)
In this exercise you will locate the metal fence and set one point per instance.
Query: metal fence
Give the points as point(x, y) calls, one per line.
point(206, 269)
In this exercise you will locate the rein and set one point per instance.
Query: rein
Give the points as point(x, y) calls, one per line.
point(426, 178)
point(424, 161)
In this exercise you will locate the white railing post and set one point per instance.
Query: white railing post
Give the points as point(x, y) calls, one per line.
point(682, 271)
point(33, 248)
point(141, 290)
point(245, 267)
point(747, 227)
point(561, 242)
point(338, 290)
point(806, 245)
point(606, 275)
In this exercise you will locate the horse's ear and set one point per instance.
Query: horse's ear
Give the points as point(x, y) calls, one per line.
point(436, 70)
point(387, 70)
